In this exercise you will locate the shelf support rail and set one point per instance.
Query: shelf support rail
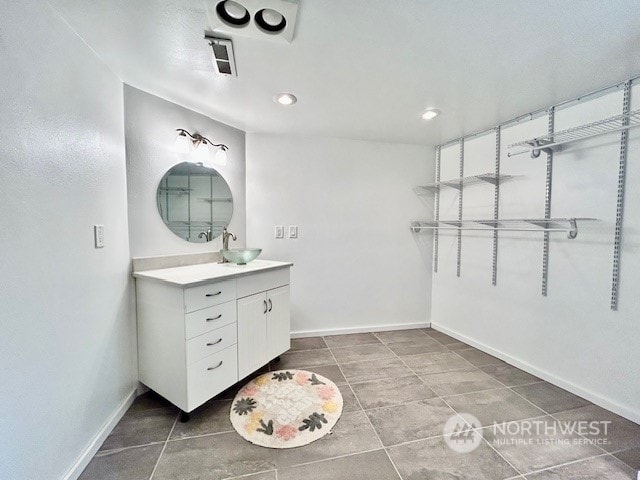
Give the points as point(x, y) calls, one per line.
point(622, 173)
point(547, 205)
point(460, 207)
point(436, 213)
point(496, 206)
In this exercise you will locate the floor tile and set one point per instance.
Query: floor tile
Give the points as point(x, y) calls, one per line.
point(457, 346)
point(432, 459)
point(442, 338)
point(309, 343)
point(478, 358)
point(537, 444)
point(149, 401)
point(332, 372)
point(352, 434)
point(212, 417)
point(396, 336)
point(550, 398)
point(630, 457)
point(258, 476)
point(605, 467)
point(460, 381)
point(350, 340)
point(413, 421)
point(621, 434)
point(300, 360)
point(213, 457)
point(360, 353)
point(510, 376)
point(141, 428)
point(375, 369)
point(131, 463)
point(391, 391)
point(349, 400)
point(364, 466)
point(494, 406)
point(435, 362)
point(417, 346)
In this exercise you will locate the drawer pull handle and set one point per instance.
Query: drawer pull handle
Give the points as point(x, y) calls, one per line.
point(211, 344)
point(265, 306)
point(270, 305)
point(214, 318)
point(217, 366)
point(213, 294)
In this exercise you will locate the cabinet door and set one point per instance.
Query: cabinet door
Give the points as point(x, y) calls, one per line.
point(278, 322)
point(252, 334)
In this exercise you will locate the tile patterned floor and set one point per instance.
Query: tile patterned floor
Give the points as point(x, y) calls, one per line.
point(399, 389)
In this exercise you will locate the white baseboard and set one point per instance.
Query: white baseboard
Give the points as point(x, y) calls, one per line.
point(593, 397)
point(371, 328)
point(81, 463)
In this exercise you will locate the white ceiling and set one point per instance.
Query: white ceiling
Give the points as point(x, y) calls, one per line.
point(367, 69)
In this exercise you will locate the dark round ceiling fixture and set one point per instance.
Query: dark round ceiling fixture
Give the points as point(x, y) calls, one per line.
point(270, 20)
point(233, 13)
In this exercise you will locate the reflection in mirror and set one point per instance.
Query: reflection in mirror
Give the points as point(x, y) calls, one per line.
point(195, 202)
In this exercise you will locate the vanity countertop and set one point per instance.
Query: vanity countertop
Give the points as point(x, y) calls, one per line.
point(200, 274)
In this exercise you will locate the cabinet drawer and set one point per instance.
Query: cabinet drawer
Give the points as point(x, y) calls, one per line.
point(211, 342)
point(211, 375)
point(204, 296)
point(261, 282)
point(208, 319)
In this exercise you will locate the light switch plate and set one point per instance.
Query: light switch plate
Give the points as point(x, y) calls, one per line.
point(279, 231)
point(293, 231)
point(98, 233)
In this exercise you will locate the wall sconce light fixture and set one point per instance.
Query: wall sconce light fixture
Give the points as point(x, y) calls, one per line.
point(201, 148)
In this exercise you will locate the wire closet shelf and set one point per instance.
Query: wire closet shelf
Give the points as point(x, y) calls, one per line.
point(566, 225)
point(458, 183)
point(552, 142)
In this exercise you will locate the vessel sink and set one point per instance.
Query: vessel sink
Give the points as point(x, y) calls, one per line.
point(240, 256)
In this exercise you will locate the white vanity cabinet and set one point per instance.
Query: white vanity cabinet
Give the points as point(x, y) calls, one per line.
point(199, 334)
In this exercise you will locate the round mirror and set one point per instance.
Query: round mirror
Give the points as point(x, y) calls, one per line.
point(195, 202)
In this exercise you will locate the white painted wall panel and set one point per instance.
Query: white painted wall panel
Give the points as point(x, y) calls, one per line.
point(66, 347)
point(571, 337)
point(150, 124)
point(356, 264)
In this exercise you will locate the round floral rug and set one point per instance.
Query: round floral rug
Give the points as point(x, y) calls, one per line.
point(286, 409)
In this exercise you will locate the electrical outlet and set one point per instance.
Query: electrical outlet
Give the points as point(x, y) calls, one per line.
point(293, 231)
point(98, 233)
point(279, 230)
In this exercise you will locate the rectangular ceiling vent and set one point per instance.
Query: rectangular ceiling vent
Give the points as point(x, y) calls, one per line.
point(224, 61)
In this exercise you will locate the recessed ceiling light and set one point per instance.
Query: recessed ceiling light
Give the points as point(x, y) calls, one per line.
point(285, 98)
point(233, 13)
point(430, 114)
point(270, 20)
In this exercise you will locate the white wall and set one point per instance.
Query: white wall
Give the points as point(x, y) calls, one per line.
point(150, 125)
point(66, 356)
point(357, 265)
point(571, 337)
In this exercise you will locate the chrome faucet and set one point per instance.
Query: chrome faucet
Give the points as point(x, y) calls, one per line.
point(225, 241)
point(208, 235)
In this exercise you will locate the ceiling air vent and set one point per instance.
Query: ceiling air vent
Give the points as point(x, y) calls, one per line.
point(223, 59)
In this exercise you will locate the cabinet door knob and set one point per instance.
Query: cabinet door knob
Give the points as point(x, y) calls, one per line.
point(217, 366)
point(214, 318)
point(270, 305)
point(265, 306)
point(213, 294)
point(211, 344)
